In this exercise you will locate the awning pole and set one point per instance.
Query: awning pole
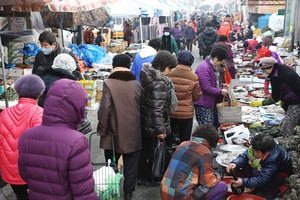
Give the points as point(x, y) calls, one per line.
point(3, 73)
point(141, 28)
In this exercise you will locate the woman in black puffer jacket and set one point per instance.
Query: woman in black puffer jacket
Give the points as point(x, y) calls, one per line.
point(155, 110)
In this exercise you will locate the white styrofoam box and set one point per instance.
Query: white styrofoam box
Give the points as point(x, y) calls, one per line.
point(27, 71)
point(15, 72)
point(238, 131)
point(246, 78)
point(258, 80)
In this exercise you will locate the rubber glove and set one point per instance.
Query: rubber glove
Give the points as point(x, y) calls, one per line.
point(281, 103)
point(256, 103)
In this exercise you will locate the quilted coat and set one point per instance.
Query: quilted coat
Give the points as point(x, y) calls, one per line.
point(278, 161)
point(208, 84)
point(155, 108)
point(54, 158)
point(187, 90)
point(13, 122)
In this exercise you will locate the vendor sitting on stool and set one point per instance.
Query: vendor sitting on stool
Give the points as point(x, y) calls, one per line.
point(285, 87)
point(266, 165)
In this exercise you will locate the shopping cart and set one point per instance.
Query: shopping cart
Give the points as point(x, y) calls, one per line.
point(107, 175)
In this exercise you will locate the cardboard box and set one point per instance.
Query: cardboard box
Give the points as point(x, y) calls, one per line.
point(99, 95)
point(91, 102)
point(88, 84)
point(15, 45)
point(15, 72)
point(91, 93)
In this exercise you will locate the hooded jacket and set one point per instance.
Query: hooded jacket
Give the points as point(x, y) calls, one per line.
point(146, 55)
point(155, 108)
point(54, 158)
point(121, 96)
point(207, 39)
point(13, 122)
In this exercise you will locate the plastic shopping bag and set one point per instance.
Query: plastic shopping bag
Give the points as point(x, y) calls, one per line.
point(101, 176)
point(112, 191)
point(161, 160)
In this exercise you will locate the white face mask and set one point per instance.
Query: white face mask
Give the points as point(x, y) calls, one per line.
point(46, 51)
point(166, 33)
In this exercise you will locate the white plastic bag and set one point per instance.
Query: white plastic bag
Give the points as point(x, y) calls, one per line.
point(101, 175)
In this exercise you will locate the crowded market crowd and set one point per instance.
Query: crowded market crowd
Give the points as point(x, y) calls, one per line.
point(148, 101)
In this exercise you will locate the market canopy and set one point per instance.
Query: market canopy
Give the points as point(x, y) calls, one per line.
point(264, 2)
point(53, 5)
point(62, 13)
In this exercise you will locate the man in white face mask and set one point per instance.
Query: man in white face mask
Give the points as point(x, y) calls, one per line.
point(169, 42)
point(49, 50)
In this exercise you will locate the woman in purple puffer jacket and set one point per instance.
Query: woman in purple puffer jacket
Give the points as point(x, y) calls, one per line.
point(211, 85)
point(54, 158)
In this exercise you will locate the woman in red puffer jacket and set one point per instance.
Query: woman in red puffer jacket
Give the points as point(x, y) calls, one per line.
point(13, 122)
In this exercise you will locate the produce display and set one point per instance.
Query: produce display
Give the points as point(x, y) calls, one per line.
point(271, 130)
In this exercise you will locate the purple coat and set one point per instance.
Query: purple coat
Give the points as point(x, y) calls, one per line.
point(208, 84)
point(54, 158)
point(176, 33)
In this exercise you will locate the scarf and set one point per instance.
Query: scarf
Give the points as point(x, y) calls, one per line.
point(166, 40)
point(253, 161)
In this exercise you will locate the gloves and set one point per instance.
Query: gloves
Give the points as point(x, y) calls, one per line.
point(256, 103)
point(281, 103)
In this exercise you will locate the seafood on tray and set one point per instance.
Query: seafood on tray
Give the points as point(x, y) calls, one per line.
point(226, 158)
point(258, 93)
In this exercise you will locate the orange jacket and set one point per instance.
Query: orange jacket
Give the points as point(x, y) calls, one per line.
point(224, 30)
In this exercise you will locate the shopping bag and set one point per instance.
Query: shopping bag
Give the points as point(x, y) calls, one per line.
point(161, 160)
point(231, 111)
point(101, 177)
point(113, 188)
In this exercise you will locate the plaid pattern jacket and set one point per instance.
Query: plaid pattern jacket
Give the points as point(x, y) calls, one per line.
point(190, 174)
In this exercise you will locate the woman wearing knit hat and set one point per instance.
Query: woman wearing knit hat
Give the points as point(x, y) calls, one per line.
point(187, 89)
point(285, 87)
point(63, 66)
point(13, 122)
